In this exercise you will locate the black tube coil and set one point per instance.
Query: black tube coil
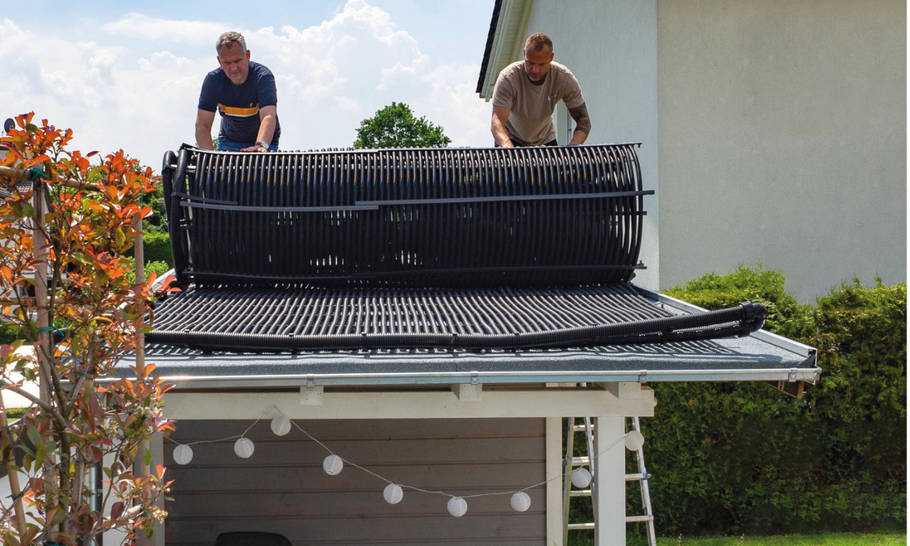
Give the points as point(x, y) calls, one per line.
point(411, 217)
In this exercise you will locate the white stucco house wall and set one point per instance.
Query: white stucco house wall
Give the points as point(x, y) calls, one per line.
point(773, 132)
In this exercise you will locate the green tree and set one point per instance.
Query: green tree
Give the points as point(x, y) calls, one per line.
point(395, 126)
point(74, 312)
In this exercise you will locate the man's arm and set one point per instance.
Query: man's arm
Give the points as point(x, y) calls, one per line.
point(204, 120)
point(268, 119)
point(582, 124)
point(498, 126)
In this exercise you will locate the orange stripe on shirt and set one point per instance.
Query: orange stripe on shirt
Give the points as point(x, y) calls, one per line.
point(240, 112)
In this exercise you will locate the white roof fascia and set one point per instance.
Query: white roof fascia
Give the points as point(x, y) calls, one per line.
point(478, 377)
point(513, 15)
point(410, 405)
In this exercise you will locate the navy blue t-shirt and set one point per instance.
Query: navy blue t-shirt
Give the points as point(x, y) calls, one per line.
point(239, 104)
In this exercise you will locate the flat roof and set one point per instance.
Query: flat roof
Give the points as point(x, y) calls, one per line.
point(760, 356)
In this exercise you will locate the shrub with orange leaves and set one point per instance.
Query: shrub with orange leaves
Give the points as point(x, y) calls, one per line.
point(70, 228)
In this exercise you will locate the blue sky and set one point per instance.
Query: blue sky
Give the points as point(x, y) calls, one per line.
point(127, 74)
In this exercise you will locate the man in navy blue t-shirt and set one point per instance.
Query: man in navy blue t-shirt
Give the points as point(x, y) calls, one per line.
point(244, 94)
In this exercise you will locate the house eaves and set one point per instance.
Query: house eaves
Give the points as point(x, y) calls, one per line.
point(504, 41)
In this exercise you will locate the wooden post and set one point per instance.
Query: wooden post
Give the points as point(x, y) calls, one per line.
point(45, 352)
point(139, 255)
point(554, 487)
point(610, 483)
point(140, 466)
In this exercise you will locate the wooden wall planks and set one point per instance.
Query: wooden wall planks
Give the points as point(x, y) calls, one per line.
point(283, 489)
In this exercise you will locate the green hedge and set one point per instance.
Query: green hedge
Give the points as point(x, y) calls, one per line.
point(745, 458)
point(9, 332)
point(157, 247)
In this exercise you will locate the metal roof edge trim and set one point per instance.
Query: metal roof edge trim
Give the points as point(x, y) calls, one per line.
point(476, 377)
point(810, 353)
point(488, 48)
point(502, 39)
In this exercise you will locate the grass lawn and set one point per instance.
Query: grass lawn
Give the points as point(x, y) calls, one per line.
point(827, 539)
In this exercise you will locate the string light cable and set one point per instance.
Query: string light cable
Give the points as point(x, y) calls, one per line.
point(393, 493)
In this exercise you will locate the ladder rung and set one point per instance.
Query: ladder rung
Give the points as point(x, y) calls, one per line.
point(581, 428)
point(581, 526)
point(580, 493)
point(580, 461)
point(638, 519)
point(635, 477)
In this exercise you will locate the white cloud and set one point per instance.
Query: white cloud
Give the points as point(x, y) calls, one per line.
point(452, 102)
point(347, 103)
point(120, 92)
point(137, 25)
point(397, 71)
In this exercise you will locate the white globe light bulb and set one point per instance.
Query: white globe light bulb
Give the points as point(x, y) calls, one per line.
point(581, 477)
point(244, 448)
point(280, 425)
point(520, 501)
point(332, 465)
point(183, 454)
point(634, 440)
point(457, 506)
point(392, 493)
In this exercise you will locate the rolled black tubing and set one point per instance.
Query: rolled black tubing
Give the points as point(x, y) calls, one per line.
point(450, 211)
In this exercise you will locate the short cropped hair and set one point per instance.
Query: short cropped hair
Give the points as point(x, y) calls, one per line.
point(228, 38)
point(537, 41)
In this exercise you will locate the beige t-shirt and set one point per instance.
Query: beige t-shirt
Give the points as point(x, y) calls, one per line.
point(531, 106)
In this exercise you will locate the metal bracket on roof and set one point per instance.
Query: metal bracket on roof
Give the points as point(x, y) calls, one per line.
point(791, 377)
point(624, 390)
point(642, 376)
point(474, 378)
point(468, 393)
point(311, 394)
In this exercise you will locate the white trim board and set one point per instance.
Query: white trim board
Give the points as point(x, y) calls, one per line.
point(636, 400)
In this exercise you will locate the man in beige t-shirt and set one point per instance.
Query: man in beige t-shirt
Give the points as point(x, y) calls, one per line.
point(526, 94)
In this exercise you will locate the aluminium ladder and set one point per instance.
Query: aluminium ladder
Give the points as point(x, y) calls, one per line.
point(572, 462)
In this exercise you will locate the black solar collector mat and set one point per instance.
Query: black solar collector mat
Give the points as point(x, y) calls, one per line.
point(418, 217)
point(311, 317)
point(419, 248)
